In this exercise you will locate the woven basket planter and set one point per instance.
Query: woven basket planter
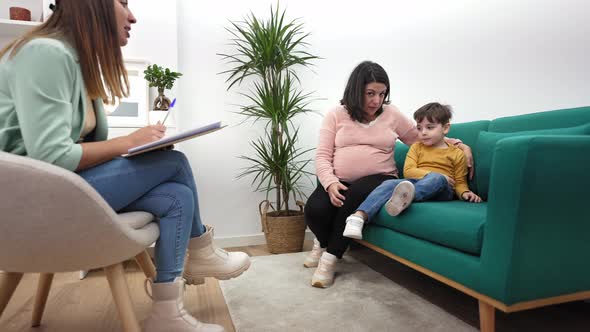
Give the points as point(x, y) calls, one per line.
point(283, 233)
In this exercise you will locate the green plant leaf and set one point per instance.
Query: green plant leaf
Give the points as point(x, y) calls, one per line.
point(159, 77)
point(269, 52)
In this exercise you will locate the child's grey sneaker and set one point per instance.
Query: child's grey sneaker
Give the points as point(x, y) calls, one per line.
point(354, 227)
point(401, 198)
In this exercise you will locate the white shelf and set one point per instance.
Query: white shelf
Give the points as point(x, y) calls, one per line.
point(13, 29)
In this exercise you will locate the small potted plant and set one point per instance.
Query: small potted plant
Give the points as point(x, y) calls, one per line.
point(161, 78)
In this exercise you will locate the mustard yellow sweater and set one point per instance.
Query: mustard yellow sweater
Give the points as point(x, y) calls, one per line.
point(451, 162)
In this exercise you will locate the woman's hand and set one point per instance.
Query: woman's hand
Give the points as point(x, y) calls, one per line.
point(146, 134)
point(470, 196)
point(468, 157)
point(336, 198)
point(94, 153)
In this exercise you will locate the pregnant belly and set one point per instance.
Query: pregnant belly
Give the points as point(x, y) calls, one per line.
point(351, 166)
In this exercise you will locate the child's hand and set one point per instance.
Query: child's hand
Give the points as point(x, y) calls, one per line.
point(470, 196)
point(450, 181)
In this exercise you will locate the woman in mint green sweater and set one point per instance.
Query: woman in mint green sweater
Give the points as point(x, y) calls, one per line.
point(53, 82)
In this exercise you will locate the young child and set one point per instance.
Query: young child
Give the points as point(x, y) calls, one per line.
point(434, 171)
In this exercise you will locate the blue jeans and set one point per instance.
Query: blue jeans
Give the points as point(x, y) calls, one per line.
point(161, 183)
point(432, 187)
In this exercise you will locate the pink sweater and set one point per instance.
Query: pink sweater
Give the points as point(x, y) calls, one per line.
point(348, 150)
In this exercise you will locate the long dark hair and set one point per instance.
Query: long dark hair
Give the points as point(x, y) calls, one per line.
point(354, 93)
point(90, 26)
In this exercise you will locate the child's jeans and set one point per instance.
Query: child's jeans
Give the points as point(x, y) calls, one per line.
point(161, 183)
point(433, 187)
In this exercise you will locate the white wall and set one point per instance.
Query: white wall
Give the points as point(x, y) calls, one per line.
point(154, 36)
point(487, 59)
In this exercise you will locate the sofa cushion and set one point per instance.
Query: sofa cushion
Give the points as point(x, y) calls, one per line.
point(484, 151)
point(455, 224)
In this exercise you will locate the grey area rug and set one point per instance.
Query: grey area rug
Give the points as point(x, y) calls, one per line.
point(275, 294)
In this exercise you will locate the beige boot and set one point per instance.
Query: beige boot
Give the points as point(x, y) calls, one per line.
point(312, 259)
point(168, 313)
point(207, 260)
point(324, 275)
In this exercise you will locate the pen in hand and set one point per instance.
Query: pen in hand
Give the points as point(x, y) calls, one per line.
point(169, 110)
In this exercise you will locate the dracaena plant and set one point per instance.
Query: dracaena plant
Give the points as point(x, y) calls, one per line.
point(268, 52)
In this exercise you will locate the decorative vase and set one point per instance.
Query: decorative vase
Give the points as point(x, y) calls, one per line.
point(20, 14)
point(161, 103)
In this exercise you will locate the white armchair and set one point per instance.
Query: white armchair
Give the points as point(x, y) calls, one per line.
point(51, 220)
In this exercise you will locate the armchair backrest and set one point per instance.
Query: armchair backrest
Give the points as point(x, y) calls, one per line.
point(52, 220)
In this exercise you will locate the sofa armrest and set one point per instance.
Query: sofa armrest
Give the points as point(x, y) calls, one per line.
point(537, 235)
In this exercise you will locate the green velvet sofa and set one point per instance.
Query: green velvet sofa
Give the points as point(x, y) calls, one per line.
point(528, 244)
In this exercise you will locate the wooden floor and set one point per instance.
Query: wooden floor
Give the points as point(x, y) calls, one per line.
point(87, 305)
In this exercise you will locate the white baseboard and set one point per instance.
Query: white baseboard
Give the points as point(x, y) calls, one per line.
point(248, 240)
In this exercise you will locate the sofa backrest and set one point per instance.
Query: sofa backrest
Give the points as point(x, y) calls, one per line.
point(562, 118)
point(401, 150)
point(468, 131)
point(573, 121)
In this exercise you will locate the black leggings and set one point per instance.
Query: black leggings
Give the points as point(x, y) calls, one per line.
point(327, 222)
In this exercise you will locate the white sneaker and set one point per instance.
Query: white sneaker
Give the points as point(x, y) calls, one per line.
point(314, 255)
point(324, 275)
point(401, 198)
point(354, 227)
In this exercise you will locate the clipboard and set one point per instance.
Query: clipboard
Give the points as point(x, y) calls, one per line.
point(180, 137)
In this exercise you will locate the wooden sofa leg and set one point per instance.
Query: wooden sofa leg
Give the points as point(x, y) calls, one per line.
point(116, 277)
point(45, 280)
point(487, 317)
point(145, 263)
point(8, 283)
